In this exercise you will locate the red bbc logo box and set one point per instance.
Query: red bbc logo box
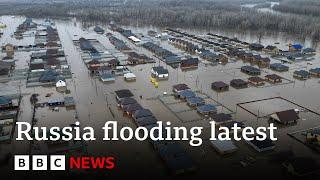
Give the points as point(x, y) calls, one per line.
point(39, 162)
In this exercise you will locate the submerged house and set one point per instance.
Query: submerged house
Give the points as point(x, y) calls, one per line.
point(142, 113)
point(273, 78)
point(261, 146)
point(132, 108)
point(224, 147)
point(48, 76)
point(315, 72)
point(195, 101)
point(285, 117)
point(301, 74)
point(159, 72)
point(295, 47)
point(250, 70)
point(301, 166)
point(179, 87)
point(123, 93)
point(273, 50)
point(4, 71)
point(279, 67)
point(309, 51)
point(5, 102)
point(256, 47)
point(186, 94)
point(189, 63)
point(239, 83)
point(221, 118)
point(256, 81)
point(98, 30)
point(126, 101)
point(207, 109)
point(220, 86)
point(107, 77)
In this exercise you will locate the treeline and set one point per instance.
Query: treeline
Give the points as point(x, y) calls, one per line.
point(303, 7)
point(208, 14)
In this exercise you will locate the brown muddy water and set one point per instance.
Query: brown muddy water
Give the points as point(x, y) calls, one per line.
point(93, 99)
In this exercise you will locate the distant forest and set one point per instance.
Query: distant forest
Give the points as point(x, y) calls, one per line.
point(296, 17)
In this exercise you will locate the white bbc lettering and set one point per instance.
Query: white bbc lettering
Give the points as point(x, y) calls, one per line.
point(39, 162)
point(57, 162)
point(21, 162)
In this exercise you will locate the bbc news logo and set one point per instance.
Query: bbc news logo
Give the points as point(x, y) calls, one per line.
point(59, 163)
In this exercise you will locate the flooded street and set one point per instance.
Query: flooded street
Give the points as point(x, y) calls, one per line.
point(95, 100)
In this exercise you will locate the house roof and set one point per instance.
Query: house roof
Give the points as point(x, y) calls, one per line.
point(189, 61)
point(36, 66)
point(69, 101)
point(250, 69)
point(195, 100)
point(124, 93)
point(126, 101)
point(160, 70)
point(49, 75)
point(256, 79)
point(146, 121)
point(297, 46)
point(107, 76)
point(221, 117)
point(273, 76)
point(206, 108)
point(187, 93)
point(142, 113)
point(238, 82)
point(287, 116)
point(278, 66)
point(308, 50)
point(224, 145)
point(4, 71)
point(131, 108)
point(315, 70)
point(303, 73)
point(180, 87)
point(4, 100)
point(267, 143)
point(219, 84)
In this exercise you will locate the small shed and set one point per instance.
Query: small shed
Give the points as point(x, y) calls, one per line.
point(273, 78)
point(256, 81)
point(220, 86)
point(239, 83)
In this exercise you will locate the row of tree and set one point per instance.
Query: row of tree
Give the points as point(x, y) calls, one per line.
point(209, 14)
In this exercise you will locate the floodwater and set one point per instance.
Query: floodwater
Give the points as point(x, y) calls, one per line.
point(93, 99)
